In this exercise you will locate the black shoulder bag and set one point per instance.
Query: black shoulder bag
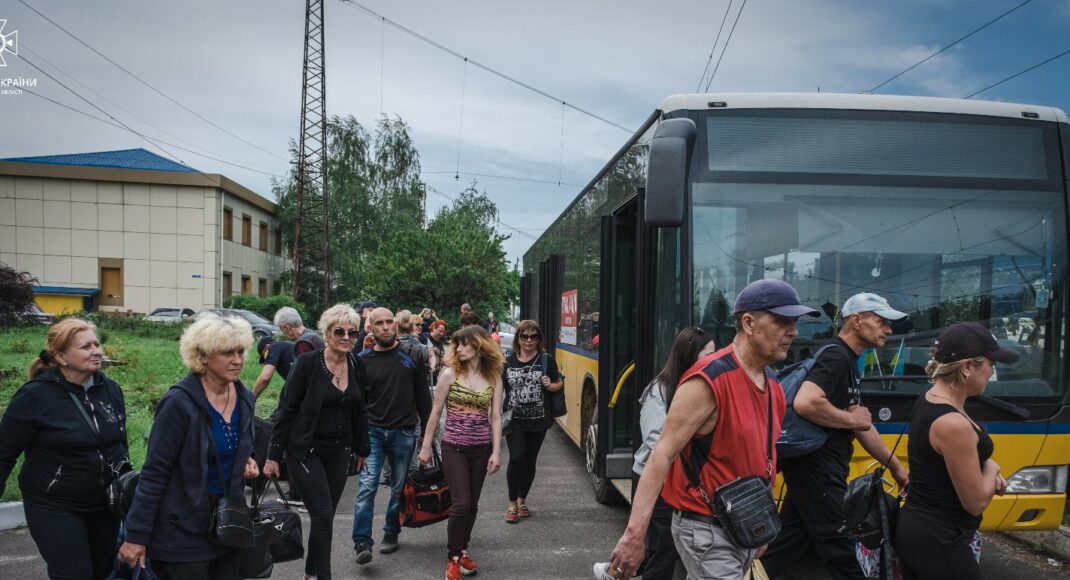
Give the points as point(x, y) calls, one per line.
point(231, 525)
point(119, 494)
point(745, 508)
point(555, 400)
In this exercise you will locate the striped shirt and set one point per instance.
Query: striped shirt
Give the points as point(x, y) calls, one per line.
point(467, 416)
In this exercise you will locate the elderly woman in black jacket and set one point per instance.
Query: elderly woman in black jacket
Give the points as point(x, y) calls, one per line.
point(199, 450)
point(320, 423)
point(70, 420)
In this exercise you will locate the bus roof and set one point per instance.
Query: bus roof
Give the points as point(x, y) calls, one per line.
point(858, 102)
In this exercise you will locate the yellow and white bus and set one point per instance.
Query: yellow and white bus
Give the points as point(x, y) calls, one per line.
point(952, 209)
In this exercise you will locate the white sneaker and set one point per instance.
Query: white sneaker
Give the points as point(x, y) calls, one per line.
point(601, 571)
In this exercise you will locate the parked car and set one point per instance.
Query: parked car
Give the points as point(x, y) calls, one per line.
point(261, 326)
point(505, 337)
point(170, 314)
point(33, 313)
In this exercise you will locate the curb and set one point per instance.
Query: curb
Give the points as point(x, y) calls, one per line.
point(1056, 541)
point(11, 515)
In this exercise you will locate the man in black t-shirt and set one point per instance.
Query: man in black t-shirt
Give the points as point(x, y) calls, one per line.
point(277, 356)
point(816, 482)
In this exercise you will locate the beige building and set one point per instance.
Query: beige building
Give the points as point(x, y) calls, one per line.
point(132, 231)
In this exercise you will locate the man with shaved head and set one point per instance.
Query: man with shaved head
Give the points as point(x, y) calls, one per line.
point(397, 400)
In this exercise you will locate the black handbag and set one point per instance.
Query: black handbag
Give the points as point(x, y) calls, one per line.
point(555, 400)
point(119, 494)
point(283, 527)
point(231, 525)
point(745, 508)
point(870, 513)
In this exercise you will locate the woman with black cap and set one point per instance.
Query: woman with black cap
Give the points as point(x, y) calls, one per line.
point(952, 474)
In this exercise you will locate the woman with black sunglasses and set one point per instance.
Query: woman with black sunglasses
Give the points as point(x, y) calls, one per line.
point(529, 374)
point(320, 422)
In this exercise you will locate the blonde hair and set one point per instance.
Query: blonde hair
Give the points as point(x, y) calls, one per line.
point(338, 314)
point(211, 335)
point(60, 337)
point(404, 321)
point(951, 372)
point(491, 360)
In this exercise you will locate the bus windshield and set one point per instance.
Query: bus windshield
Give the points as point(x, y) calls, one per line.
point(949, 217)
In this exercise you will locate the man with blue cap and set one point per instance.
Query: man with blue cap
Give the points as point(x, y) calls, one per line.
point(721, 418)
point(830, 397)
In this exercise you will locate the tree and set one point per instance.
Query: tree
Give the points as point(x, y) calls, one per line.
point(16, 294)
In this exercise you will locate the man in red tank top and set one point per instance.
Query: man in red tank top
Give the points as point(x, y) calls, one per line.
point(718, 420)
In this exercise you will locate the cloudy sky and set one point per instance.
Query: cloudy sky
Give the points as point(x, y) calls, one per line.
point(238, 64)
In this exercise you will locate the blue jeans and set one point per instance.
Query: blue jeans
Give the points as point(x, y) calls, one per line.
point(387, 445)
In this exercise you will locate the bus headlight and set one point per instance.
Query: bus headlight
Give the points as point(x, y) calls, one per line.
point(1046, 479)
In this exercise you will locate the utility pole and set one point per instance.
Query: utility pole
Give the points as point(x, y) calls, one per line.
point(312, 258)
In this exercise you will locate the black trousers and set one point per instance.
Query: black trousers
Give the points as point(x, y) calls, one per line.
point(524, 449)
point(465, 468)
point(225, 567)
point(321, 478)
point(661, 557)
point(74, 545)
point(813, 512)
point(930, 547)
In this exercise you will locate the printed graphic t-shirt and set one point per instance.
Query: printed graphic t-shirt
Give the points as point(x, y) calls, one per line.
point(523, 383)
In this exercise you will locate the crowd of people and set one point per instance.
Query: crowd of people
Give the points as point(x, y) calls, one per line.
point(358, 398)
point(377, 392)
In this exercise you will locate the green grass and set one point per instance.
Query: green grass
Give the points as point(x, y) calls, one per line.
point(152, 366)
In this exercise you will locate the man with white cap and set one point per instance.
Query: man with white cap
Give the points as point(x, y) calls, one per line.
point(830, 397)
point(720, 419)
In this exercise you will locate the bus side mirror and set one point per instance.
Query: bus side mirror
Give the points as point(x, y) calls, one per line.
point(667, 170)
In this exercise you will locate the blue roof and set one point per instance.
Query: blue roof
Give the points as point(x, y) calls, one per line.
point(123, 159)
point(66, 291)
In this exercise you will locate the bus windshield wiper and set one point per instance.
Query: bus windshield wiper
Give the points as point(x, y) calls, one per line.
point(989, 400)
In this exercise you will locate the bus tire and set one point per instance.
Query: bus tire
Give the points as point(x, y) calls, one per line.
point(604, 492)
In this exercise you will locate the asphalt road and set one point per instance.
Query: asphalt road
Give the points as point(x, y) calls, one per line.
point(566, 534)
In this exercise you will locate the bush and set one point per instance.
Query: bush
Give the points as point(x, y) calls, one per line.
point(16, 294)
point(108, 323)
point(267, 307)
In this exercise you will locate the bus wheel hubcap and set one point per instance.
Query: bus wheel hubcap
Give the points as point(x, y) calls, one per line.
point(591, 448)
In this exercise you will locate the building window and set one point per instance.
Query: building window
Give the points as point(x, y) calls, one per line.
point(246, 285)
point(228, 285)
point(278, 288)
point(278, 243)
point(262, 288)
point(111, 282)
point(246, 230)
point(263, 236)
point(228, 224)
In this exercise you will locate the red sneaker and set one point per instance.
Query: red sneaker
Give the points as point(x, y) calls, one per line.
point(453, 569)
point(511, 515)
point(468, 565)
point(523, 511)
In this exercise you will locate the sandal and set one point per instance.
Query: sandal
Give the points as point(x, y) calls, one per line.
point(523, 511)
point(511, 515)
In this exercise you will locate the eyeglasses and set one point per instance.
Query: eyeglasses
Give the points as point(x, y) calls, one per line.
point(526, 336)
point(341, 332)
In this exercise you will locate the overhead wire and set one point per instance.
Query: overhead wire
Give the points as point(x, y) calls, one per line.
point(726, 42)
point(505, 177)
point(971, 33)
point(713, 49)
point(149, 85)
point(353, 4)
point(1018, 74)
point(500, 223)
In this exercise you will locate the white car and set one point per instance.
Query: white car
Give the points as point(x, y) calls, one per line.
point(505, 336)
point(172, 315)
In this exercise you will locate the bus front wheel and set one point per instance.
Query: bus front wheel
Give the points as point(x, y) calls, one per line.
point(604, 492)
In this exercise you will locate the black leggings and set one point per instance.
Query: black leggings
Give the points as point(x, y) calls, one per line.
point(465, 468)
point(523, 453)
point(930, 547)
point(321, 478)
point(74, 545)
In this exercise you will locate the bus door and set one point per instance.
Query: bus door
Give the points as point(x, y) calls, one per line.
point(609, 441)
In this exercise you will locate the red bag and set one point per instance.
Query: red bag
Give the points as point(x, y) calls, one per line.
point(426, 498)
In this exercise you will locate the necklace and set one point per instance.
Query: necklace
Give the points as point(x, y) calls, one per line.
point(222, 416)
point(957, 408)
point(751, 373)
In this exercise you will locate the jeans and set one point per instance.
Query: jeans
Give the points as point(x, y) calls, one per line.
point(393, 446)
point(323, 477)
point(465, 468)
point(74, 545)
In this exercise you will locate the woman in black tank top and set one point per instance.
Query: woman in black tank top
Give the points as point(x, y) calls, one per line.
point(952, 474)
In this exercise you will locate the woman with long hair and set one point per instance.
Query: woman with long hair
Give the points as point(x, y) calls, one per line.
point(952, 474)
point(70, 420)
point(690, 346)
point(470, 387)
point(200, 450)
point(530, 374)
point(321, 421)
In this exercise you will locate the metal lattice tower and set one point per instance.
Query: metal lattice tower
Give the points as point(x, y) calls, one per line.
point(312, 265)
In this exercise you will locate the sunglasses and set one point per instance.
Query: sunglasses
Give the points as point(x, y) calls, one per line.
point(341, 332)
point(698, 332)
point(526, 336)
